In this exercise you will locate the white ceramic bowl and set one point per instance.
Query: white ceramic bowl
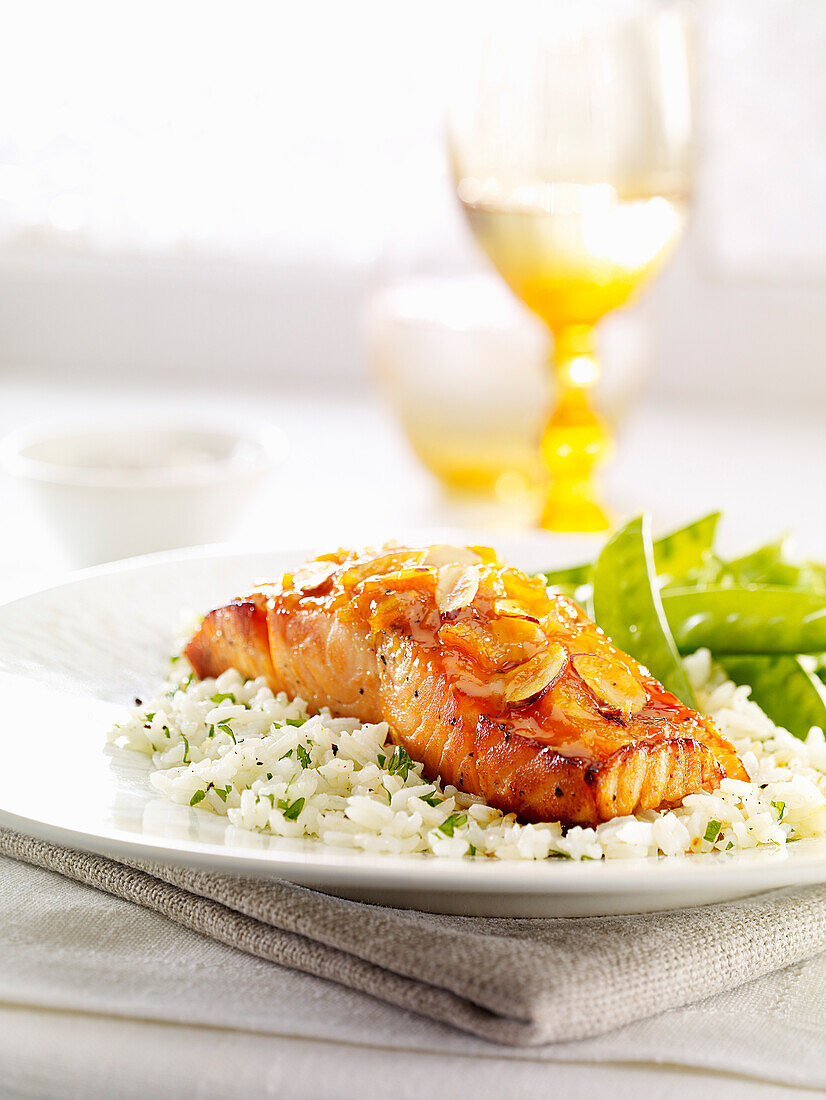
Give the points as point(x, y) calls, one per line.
point(135, 487)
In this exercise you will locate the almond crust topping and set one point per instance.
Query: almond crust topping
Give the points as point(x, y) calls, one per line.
point(611, 682)
point(313, 575)
point(536, 674)
point(457, 586)
point(440, 555)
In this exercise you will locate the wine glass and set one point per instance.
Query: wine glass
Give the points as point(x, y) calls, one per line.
point(570, 140)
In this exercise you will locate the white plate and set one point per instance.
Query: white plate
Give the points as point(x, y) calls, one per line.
point(72, 657)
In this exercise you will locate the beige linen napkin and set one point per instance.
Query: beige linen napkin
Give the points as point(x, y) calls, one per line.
point(521, 982)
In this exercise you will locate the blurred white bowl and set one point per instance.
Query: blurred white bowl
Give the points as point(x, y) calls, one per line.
point(136, 487)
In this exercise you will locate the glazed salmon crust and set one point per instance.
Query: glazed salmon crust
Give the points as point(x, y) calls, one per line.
point(495, 684)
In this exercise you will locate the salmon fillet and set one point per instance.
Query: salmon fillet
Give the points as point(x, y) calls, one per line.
point(497, 686)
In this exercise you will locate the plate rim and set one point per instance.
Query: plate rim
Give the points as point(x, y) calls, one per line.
point(756, 869)
point(648, 875)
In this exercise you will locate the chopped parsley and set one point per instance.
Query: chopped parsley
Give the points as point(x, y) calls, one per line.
point(712, 831)
point(399, 763)
point(303, 756)
point(294, 721)
point(781, 809)
point(452, 823)
point(271, 797)
point(211, 731)
point(558, 855)
point(381, 759)
point(199, 796)
point(433, 799)
point(269, 775)
point(226, 728)
point(289, 752)
point(223, 794)
point(291, 810)
point(222, 695)
point(150, 715)
point(472, 849)
point(186, 750)
point(182, 686)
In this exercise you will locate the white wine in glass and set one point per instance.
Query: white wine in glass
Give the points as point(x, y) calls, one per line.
point(571, 157)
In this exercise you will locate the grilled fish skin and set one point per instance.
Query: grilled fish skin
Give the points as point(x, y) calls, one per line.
point(496, 685)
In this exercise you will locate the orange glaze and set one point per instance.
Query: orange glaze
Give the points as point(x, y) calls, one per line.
point(507, 692)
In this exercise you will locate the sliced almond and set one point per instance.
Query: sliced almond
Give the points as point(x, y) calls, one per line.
point(535, 675)
point(441, 554)
point(313, 575)
point(456, 587)
point(510, 609)
point(611, 682)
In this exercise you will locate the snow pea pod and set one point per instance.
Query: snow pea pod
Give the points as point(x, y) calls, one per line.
point(765, 565)
point(685, 549)
point(793, 697)
point(675, 554)
point(812, 575)
point(566, 580)
point(759, 565)
point(627, 605)
point(747, 619)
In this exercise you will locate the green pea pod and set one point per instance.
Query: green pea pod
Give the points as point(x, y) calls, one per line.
point(627, 605)
point(675, 554)
point(813, 575)
point(686, 548)
point(567, 580)
point(765, 565)
point(755, 565)
point(742, 619)
point(793, 697)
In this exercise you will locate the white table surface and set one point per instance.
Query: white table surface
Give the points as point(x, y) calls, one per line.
point(347, 468)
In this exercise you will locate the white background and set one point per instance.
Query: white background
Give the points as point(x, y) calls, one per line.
point(188, 190)
point(195, 201)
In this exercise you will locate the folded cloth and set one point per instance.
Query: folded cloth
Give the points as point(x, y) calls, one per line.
point(517, 981)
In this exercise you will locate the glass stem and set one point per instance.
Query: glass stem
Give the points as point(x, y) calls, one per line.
point(575, 440)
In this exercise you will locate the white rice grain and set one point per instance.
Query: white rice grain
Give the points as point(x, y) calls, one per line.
point(233, 747)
